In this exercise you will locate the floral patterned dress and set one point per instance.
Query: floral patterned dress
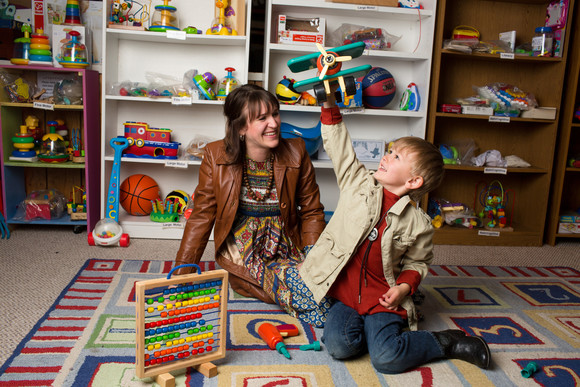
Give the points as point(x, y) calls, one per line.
point(268, 253)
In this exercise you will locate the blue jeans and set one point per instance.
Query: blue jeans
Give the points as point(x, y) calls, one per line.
point(392, 350)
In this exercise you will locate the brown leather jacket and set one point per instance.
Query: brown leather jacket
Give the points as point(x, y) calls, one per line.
point(216, 201)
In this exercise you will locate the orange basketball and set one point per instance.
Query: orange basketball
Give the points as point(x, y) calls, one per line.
point(136, 193)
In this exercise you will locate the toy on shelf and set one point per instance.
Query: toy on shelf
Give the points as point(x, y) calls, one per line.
point(179, 199)
point(164, 18)
point(21, 54)
point(227, 84)
point(373, 38)
point(574, 161)
point(222, 25)
point(507, 100)
point(410, 101)
point(32, 127)
point(191, 30)
point(311, 136)
point(68, 92)
point(45, 204)
point(330, 66)
point(77, 206)
point(286, 93)
point(195, 150)
point(164, 212)
point(199, 303)
point(450, 154)
point(147, 142)
point(307, 99)
point(40, 53)
point(493, 200)
point(53, 146)
point(130, 14)
point(72, 13)
point(73, 53)
point(138, 193)
point(78, 153)
point(205, 83)
point(23, 143)
point(378, 88)
point(110, 223)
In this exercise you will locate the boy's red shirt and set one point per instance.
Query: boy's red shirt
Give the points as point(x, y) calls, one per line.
point(369, 282)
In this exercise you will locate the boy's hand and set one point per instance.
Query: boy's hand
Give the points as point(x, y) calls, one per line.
point(393, 297)
point(330, 99)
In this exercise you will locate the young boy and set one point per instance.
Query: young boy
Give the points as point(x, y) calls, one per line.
point(374, 253)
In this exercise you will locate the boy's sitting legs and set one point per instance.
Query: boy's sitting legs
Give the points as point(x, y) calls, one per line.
point(392, 350)
point(348, 334)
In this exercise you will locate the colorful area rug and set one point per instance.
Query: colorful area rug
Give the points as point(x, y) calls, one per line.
point(526, 315)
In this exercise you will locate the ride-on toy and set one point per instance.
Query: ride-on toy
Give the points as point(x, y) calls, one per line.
point(107, 231)
point(329, 64)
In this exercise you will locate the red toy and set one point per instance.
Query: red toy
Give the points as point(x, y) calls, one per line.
point(137, 192)
point(148, 142)
point(273, 338)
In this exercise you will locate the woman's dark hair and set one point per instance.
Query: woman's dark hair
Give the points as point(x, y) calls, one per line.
point(243, 105)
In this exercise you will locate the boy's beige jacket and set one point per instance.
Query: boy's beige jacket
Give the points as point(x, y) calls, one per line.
point(406, 244)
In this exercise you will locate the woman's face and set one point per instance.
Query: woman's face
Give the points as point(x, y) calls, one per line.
point(262, 133)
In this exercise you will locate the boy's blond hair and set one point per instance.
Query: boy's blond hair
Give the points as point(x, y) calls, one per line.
point(426, 161)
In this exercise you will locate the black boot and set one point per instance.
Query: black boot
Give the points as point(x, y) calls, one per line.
point(457, 345)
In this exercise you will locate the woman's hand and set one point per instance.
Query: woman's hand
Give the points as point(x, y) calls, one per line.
point(393, 297)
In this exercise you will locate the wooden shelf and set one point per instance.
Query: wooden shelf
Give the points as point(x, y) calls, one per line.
point(455, 75)
point(564, 195)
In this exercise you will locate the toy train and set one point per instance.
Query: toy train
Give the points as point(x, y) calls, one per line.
point(148, 142)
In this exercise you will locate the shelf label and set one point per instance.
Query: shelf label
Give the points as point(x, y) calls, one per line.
point(179, 35)
point(506, 55)
point(172, 225)
point(366, 8)
point(503, 120)
point(181, 101)
point(488, 233)
point(495, 170)
point(43, 105)
point(352, 110)
point(176, 164)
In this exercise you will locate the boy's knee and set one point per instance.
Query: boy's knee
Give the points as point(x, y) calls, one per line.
point(388, 363)
point(341, 347)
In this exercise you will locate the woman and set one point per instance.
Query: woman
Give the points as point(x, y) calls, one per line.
point(261, 193)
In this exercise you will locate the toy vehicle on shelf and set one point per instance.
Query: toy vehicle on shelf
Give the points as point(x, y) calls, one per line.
point(148, 142)
point(329, 64)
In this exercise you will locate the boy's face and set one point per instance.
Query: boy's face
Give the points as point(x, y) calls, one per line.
point(394, 172)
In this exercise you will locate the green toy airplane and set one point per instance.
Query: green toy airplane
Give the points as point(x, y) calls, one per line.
point(329, 63)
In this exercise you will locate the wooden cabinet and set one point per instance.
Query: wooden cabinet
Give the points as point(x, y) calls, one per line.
point(565, 196)
point(408, 60)
point(20, 178)
point(534, 140)
point(137, 56)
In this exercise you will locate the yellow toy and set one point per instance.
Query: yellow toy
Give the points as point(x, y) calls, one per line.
point(53, 146)
point(164, 18)
point(222, 25)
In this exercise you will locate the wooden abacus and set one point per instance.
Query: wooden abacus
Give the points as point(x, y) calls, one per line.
point(181, 322)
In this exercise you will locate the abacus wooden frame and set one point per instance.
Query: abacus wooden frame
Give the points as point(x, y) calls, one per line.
point(141, 287)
